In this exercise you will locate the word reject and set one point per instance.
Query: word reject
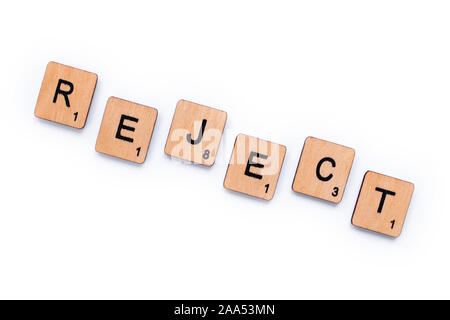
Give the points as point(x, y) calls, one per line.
point(195, 134)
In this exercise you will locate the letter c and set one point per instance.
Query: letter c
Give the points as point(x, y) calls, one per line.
point(319, 165)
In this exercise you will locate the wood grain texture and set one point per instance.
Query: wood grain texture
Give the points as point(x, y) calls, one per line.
point(73, 112)
point(384, 216)
point(188, 122)
point(323, 169)
point(271, 157)
point(126, 130)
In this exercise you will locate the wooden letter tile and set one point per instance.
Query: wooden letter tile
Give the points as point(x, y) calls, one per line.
point(323, 170)
point(382, 204)
point(254, 167)
point(66, 95)
point(126, 130)
point(195, 133)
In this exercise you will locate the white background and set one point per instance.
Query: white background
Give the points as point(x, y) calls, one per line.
point(372, 75)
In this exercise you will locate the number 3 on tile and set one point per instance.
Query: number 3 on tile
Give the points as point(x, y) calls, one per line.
point(335, 192)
